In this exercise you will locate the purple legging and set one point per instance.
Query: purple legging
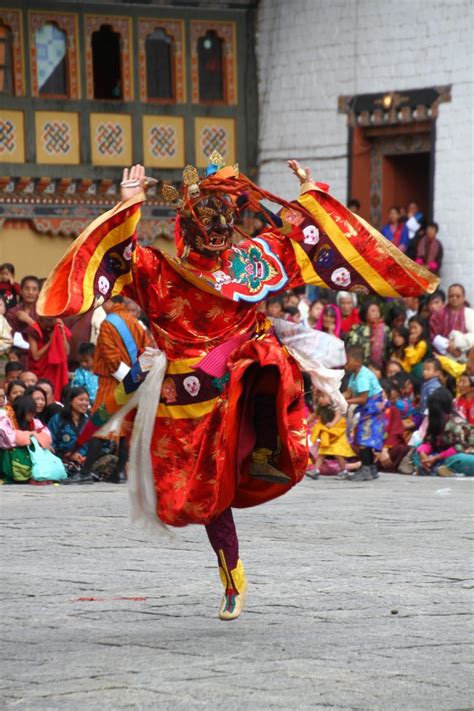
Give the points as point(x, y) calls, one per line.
point(223, 537)
point(221, 532)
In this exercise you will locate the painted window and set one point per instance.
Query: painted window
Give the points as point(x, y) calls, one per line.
point(54, 56)
point(109, 51)
point(107, 63)
point(12, 74)
point(210, 52)
point(6, 60)
point(213, 62)
point(159, 65)
point(161, 60)
point(51, 60)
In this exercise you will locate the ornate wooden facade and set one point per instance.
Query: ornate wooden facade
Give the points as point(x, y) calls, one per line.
point(61, 158)
point(384, 129)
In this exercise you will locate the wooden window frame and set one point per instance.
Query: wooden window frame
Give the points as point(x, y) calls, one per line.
point(13, 20)
point(227, 32)
point(7, 67)
point(67, 22)
point(123, 27)
point(174, 29)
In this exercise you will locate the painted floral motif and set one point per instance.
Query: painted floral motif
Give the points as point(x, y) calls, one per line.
point(220, 383)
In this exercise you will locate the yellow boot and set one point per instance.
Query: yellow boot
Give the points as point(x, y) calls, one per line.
point(235, 587)
point(261, 467)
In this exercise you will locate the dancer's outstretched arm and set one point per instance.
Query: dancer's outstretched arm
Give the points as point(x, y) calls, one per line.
point(336, 249)
point(99, 263)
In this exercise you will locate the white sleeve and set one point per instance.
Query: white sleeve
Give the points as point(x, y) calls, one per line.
point(469, 319)
point(121, 371)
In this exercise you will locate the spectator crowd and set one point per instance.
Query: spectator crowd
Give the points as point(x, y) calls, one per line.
point(51, 374)
point(409, 383)
point(409, 380)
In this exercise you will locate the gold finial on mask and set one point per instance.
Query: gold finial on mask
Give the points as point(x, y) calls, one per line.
point(190, 175)
point(191, 180)
point(170, 194)
point(216, 159)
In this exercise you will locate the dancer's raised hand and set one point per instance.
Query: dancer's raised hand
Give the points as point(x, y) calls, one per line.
point(133, 182)
point(303, 175)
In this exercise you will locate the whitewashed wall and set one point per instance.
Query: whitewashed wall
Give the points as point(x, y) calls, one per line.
point(311, 51)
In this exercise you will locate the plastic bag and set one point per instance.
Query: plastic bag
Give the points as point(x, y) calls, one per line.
point(45, 466)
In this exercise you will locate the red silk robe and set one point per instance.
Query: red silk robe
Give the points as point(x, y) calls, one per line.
point(202, 436)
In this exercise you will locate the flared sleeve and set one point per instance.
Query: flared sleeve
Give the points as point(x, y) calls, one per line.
point(336, 249)
point(98, 265)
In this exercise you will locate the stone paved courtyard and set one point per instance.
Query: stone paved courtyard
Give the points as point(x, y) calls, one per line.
point(360, 597)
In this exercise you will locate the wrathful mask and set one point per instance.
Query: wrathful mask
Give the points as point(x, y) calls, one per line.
point(209, 225)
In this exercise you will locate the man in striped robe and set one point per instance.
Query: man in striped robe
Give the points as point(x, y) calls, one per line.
point(121, 339)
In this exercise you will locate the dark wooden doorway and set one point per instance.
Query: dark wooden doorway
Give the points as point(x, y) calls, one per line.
point(392, 165)
point(406, 177)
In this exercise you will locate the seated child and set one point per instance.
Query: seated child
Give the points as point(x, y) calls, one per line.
point(464, 403)
point(39, 396)
point(17, 425)
point(408, 388)
point(448, 445)
point(84, 377)
point(394, 446)
point(52, 407)
point(432, 374)
point(329, 432)
point(274, 307)
point(393, 368)
point(417, 347)
point(404, 404)
point(402, 396)
point(9, 288)
point(398, 345)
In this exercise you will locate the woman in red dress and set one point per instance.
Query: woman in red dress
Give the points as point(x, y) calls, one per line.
point(49, 348)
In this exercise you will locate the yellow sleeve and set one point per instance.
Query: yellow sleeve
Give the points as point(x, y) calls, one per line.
point(452, 367)
point(415, 354)
point(403, 362)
